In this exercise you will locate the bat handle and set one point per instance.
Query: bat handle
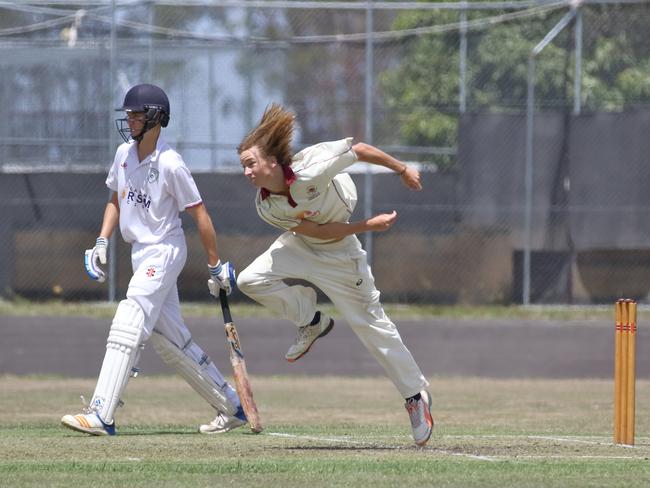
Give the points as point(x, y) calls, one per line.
point(225, 308)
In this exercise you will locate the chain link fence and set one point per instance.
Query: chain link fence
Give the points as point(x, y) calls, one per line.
point(527, 120)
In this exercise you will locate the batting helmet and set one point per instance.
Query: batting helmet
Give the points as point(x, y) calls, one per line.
point(146, 98)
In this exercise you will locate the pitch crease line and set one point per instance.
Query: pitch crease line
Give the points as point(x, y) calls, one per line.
point(350, 441)
point(579, 441)
point(586, 456)
point(316, 438)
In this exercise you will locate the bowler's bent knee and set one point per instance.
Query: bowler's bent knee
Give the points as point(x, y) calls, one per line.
point(248, 282)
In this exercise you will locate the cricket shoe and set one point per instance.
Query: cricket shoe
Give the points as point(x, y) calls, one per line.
point(307, 335)
point(421, 420)
point(224, 423)
point(88, 422)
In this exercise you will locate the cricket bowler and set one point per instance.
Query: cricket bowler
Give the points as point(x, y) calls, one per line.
point(310, 197)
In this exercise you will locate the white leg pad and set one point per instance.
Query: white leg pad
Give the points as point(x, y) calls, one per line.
point(199, 371)
point(122, 350)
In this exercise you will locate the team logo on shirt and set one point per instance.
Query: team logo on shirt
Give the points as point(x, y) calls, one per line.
point(151, 271)
point(136, 197)
point(123, 165)
point(153, 175)
point(308, 213)
point(312, 192)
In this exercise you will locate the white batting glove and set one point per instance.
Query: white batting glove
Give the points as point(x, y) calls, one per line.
point(222, 277)
point(97, 253)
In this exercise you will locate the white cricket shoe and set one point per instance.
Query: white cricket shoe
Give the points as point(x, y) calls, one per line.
point(224, 423)
point(421, 420)
point(307, 335)
point(88, 422)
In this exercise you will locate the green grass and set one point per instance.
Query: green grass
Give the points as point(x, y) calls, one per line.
point(326, 432)
point(24, 307)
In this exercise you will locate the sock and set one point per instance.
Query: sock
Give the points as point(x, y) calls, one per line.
point(414, 398)
point(231, 394)
point(316, 319)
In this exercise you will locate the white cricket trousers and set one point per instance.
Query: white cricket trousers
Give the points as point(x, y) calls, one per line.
point(153, 286)
point(341, 271)
point(155, 271)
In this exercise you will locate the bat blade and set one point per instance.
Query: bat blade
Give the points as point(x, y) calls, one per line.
point(240, 374)
point(242, 383)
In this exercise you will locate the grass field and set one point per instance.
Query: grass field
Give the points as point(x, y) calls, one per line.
point(326, 432)
point(23, 307)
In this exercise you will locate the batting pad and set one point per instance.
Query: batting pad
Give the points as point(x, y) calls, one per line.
point(122, 350)
point(197, 369)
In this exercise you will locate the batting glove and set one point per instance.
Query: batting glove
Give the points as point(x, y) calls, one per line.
point(222, 278)
point(92, 256)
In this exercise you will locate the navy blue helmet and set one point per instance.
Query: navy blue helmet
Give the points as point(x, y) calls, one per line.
point(146, 98)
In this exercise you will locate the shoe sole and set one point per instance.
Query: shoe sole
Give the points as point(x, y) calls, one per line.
point(324, 333)
point(85, 430)
point(220, 431)
point(428, 402)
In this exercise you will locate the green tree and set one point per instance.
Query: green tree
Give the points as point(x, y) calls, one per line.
point(423, 89)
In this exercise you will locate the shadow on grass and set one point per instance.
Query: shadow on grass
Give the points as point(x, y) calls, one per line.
point(347, 448)
point(130, 431)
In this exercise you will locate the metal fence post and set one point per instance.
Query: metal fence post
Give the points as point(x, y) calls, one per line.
point(577, 82)
point(112, 251)
point(462, 61)
point(368, 179)
point(529, 168)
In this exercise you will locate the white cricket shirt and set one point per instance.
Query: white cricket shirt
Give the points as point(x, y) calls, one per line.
point(319, 190)
point(151, 193)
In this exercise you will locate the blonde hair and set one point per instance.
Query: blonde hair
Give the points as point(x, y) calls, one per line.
point(272, 135)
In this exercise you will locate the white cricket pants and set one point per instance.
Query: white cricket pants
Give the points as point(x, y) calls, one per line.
point(156, 268)
point(341, 271)
point(153, 286)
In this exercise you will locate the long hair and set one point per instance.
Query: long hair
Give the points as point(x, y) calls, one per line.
point(272, 135)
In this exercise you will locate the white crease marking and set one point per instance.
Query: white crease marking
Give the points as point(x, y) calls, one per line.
point(350, 441)
point(579, 441)
point(345, 440)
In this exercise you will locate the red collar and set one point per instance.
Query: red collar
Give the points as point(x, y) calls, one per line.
point(289, 177)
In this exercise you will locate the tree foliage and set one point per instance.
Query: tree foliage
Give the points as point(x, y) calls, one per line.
point(423, 89)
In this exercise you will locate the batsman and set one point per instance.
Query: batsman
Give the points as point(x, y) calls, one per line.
point(150, 185)
point(311, 198)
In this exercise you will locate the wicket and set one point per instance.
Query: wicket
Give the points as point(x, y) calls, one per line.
point(624, 372)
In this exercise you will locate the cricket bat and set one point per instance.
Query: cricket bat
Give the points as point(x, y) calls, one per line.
point(242, 383)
